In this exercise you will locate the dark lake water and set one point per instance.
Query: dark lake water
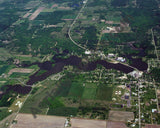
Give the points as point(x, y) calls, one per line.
point(59, 64)
point(75, 61)
point(137, 63)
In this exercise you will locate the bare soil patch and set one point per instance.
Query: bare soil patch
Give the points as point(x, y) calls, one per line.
point(25, 55)
point(41, 121)
point(67, 19)
point(64, 8)
point(112, 124)
point(54, 5)
point(86, 123)
point(36, 13)
point(151, 126)
point(20, 70)
point(121, 116)
point(26, 15)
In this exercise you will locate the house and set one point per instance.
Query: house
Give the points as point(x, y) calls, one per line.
point(126, 97)
point(121, 59)
point(84, 2)
point(136, 74)
point(111, 55)
point(102, 20)
point(87, 52)
point(154, 110)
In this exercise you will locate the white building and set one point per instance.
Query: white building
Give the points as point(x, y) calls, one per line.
point(121, 59)
point(111, 55)
point(136, 74)
point(154, 110)
point(87, 52)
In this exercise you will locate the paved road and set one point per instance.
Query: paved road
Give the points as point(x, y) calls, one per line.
point(69, 32)
point(153, 41)
point(139, 105)
point(156, 94)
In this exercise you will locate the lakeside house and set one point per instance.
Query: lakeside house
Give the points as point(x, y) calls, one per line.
point(121, 59)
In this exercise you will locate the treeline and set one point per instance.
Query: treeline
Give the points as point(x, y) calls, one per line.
point(118, 3)
point(90, 37)
point(53, 17)
point(147, 4)
point(156, 74)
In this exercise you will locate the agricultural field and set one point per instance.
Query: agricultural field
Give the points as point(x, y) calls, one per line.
point(69, 98)
point(28, 120)
point(72, 95)
point(82, 123)
point(113, 124)
point(75, 59)
point(121, 116)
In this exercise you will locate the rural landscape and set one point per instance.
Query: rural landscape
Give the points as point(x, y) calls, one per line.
point(80, 64)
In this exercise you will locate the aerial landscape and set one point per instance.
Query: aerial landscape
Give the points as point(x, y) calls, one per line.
point(79, 63)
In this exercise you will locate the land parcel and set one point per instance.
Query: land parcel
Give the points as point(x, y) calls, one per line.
point(84, 123)
point(38, 121)
point(121, 116)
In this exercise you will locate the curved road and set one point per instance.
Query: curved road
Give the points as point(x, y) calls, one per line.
point(69, 32)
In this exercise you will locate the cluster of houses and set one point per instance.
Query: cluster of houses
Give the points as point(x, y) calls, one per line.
point(120, 59)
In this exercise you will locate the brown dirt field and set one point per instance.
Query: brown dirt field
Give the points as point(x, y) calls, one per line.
point(54, 5)
point(111, 124)
point(67, 19)
point(25, 55)
point(109, 22)
point(158, 92)
point(26, 15)
point(121, 116)
point(21, 70)
point(65, 8)
point(86, 123)
point(151, 126)
point(36, 13)
point(41, 121)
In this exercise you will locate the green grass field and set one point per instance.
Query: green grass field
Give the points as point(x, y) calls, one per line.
point(4, 54)
point(104, 93)
point(89, 91)
point(4, 113)
point(76, 90)
point(3, 69)
point(63, 111)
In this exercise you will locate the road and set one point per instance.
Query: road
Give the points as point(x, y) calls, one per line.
point(153, 41)
point(156, 94)
point(139, 105)
point(15, 114)
point(69, 31)
point(69, 34)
